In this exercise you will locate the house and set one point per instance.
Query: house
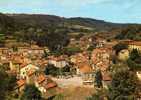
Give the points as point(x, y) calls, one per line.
point(59, 62)
point(83, 67)
point(46, 85)
point(26, 68)
point(132, 44)
point(43, 83)
point(17, 60)
point(101, 61)
point(42, 63)
point(80, 58)
point(36, 50)
point(100, 42)
point(101, 58)
point(20, 85)
point(33, 50)
point(23, 50)
point(4, 50)
point(102, 66)
point(40, 79)
point(15, 63)
point(86, 72)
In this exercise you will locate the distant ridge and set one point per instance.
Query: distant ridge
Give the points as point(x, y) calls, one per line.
point(12, 22)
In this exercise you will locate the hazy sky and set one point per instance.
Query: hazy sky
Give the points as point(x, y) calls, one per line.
point(124, 11)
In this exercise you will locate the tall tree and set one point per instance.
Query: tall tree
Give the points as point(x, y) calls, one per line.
point(134, 60)
point(134, 54)
point(7, 84)
point(123, 85)
point(59, 97)
point(98, 79)
point(31, 93)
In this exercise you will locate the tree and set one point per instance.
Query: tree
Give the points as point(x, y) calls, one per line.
point(94, 97)
point(7, 84)
point(55, 40)
point(134, 54)
point(99, 95)
point(130, 32)
point(15, 49)
point(98, 79)
point(91, 48)
point(120, 46)
point(66, 69)
point(51, 70)
point(46, 54)
point(71, 50)
point(134, 60)
point(123, 85)
point(59, 97)
point(31, 93)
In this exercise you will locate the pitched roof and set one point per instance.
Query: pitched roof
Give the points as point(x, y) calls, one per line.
point(20, 83)
point(41, 78)
point(51, 85)
point(102, 65)
point(60, 58)
point(85, 68)
point(80, 58)
point(23, 65)
point(31, 72)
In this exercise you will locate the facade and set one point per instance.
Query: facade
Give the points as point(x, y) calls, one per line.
point(101, 61)
point(20, 85)
point(58, 62)
point(132, 44)
point(101, 58)
point(86, 72)
point(24, 70)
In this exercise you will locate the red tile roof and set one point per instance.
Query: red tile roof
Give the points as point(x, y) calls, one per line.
point(51, 85)
point(41, 78)
point(31, 72)
point(23, 65)
point(85, 68)
point(20, 83)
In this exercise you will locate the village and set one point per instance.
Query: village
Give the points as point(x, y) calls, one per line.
point(70, 50)
point(30, 65)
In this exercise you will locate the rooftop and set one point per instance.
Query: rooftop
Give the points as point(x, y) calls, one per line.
point(20, 82)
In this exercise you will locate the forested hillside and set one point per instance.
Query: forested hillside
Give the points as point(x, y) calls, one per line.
point(54, 31)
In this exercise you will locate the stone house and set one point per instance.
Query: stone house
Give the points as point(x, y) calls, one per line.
point(101, 58)
point(58, 62)
point(25, 69)
point(86, 72)
point(132, 44)
point(20, 85)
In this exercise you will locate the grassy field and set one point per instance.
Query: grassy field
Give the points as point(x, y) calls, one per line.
point(77, 93)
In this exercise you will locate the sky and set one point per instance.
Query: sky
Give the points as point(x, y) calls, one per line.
point(118, 11)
